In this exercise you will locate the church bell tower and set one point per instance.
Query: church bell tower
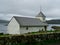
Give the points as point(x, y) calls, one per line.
point(41, 16)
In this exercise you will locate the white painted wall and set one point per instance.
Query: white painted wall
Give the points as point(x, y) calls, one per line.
point(30, 29)
point(41, 18)
point(13, 27)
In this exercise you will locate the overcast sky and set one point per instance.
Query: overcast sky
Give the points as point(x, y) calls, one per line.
point(9, 8)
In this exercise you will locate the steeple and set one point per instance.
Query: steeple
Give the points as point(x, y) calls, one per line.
point(41, 16)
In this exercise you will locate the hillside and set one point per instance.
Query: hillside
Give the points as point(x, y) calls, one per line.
point(4, 21)
point(54, 21)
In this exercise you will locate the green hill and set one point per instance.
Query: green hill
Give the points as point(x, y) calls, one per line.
point(54, 21)
point(4, 21)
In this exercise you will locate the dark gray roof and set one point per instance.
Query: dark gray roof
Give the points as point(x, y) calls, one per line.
point(40, 14)
point(25, 21)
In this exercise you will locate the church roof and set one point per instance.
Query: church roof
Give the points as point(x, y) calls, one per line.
point(25, 21)
point(40, 14)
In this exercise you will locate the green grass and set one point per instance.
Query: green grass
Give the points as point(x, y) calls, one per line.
point(46, 42)
point(43, 32)
point(5, 35)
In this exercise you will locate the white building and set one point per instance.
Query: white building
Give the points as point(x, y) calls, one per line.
point(21, 25)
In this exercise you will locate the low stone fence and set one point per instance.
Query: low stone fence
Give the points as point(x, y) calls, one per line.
point(28, 39)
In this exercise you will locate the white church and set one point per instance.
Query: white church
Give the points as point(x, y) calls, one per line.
point(22, 25)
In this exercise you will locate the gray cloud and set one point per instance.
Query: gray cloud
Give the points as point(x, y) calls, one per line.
point(9, 8)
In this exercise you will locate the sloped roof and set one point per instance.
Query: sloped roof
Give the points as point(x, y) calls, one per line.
point(25, 21)
point(40, 14)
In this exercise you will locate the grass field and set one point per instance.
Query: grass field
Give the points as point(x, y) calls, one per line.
point(45, 42)
point(42, 32)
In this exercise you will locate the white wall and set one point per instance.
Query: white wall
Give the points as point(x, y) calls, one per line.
point(30, 29)
point(13, 27)
point(41, 18)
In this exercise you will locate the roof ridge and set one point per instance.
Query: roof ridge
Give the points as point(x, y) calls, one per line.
point(23, 17)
